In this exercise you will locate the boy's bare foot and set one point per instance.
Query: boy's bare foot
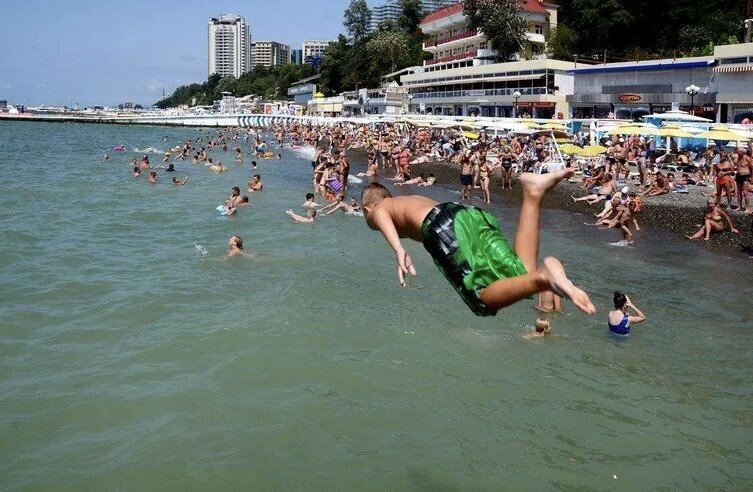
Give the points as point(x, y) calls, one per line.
point(554, 273)
point(536, 185)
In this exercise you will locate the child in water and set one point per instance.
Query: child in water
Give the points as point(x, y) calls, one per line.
point(543, 328)
point(235, 246)
point(470, 250)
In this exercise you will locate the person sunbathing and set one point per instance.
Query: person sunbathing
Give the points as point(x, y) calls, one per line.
point(713, 221)
point(659, 186)
point(605, 191)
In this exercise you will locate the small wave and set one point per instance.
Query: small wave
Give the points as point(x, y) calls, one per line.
point(200, 249)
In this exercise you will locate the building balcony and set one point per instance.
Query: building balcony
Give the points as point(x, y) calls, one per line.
point(431, 43)
point(459, 56)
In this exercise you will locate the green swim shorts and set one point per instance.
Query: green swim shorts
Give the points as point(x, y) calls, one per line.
point(470, 250)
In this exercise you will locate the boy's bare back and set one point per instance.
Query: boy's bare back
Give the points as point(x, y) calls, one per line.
point(406, 212)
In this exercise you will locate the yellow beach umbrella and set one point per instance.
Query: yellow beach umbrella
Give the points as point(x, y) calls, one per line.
point(470, 135)
point(592, 151)
point(318, 95)
point(721, 132)
point(674, 131)
point(556, 126)
point(634, 129)
point(570, 149)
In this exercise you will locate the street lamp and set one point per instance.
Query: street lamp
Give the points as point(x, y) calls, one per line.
point(692, 90)
point(516, 95)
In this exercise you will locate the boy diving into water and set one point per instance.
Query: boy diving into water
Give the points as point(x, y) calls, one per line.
point(470, 250)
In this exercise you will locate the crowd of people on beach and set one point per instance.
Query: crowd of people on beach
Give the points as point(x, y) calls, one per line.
point(621, 182)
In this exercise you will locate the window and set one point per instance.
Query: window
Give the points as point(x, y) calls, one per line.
point(538, 29)
point(727, 61)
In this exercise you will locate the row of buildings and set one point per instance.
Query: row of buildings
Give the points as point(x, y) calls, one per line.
point(460, 79)
point(231, 52)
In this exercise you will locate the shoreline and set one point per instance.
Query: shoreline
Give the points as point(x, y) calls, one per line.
point(677, 213)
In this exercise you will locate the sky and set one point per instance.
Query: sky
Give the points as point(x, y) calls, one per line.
point(86, 52)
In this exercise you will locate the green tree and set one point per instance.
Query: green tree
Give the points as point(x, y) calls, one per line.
point(500, 21)
point(357, 19)
point(392, 46)
point(650, 29)
point(411, 14)
point(561, 43)
point(334, 68)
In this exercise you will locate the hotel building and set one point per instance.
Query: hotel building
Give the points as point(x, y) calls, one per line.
point(734, 74)
point(269, 54)
point(460, 78)
point(229, 52)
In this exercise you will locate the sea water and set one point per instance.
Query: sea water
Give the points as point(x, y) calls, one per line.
point(134, 356)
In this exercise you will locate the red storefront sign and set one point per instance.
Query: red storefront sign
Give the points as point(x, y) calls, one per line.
point(628, 98)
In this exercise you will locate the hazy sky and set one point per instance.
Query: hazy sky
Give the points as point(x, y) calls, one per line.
point(112, 51)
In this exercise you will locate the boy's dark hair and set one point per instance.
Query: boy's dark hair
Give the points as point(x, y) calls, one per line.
point(619, 300)
point(373, 193)
point(309, 196)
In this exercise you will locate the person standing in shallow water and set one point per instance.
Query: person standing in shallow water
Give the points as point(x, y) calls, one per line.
point(619, 319)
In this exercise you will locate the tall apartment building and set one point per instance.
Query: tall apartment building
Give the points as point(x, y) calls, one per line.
point(314, 48)
point(269, 53)
point(390, 10)
point(228, 39)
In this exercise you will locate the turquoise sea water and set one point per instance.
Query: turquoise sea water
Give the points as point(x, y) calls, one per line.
point(129, 360)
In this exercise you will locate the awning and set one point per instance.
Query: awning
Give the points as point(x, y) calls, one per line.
point(476, 79)
point(742, 67)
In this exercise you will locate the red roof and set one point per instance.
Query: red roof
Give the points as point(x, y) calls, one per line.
point(533, 6)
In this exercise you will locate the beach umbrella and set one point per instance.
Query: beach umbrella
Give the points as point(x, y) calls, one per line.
point(674, 131)
point(592, 151)
point(470, 135)
point(570, 149)
point(555, 126)
point(721, 132)
point(633, 129)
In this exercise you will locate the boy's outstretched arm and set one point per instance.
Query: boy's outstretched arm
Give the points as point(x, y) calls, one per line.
point(381, 219)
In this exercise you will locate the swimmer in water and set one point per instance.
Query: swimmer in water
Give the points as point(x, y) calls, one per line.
point(543, 328)
point(255, 184)
point(106, 158)
point(229, 207)
point(136, 172)
point(310, 215)
point(235, 246)
point(339, 204)
point(152, 179)
point(180, 182)
point(310, 202)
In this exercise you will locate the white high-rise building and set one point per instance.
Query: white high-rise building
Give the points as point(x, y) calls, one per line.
point(229, 51)
point(269, 53)
point(314, 48)
point(390, 11)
